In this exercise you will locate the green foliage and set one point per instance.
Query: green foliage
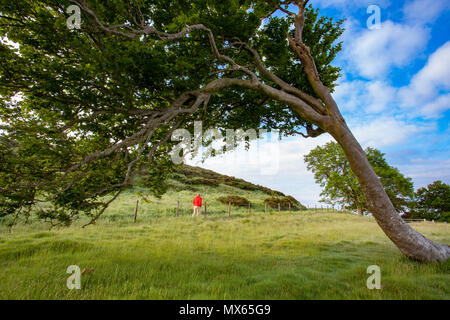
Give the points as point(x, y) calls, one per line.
point(68, 96)
point(433, 202)
point(444, 217)
point(284, 203)
point(399, 188)
point(208, 182)
point(155, 177)
point(320, 35)
point(332, 171)
point(234, 200)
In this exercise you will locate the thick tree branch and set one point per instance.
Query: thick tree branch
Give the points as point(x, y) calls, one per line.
point(309, 64)
point(308, 101)
point(313, 102)
point(310, 132)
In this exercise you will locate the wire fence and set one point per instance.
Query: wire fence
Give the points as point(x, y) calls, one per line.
point(183, 208)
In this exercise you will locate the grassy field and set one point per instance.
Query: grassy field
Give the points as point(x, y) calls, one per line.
point(302, 255)
point(257, 255)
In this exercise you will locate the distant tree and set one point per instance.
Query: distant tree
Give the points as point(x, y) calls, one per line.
point(340, 186)
point(433, 202)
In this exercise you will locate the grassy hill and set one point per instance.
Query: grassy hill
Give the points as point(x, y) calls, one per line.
point(257, 255)
point(184, 185)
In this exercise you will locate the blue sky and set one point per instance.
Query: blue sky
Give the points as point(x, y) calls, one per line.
point(394, 94)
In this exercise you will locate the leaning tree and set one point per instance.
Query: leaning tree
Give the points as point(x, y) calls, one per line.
point(83, 110)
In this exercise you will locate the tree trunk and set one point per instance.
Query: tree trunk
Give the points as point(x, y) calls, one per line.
point(410, 242)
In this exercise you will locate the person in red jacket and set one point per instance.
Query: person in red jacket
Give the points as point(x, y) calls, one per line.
point(197, 205)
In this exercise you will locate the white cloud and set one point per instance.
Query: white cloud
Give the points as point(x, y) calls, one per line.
point(426, 171)
point(424, 11)
point(435, 108)
point(373, 53)
point(350, 4)
point(364, 96)
point(381, 95)
point(425, 90)
point(387, 131)
point(426, 96)
point(292, 176)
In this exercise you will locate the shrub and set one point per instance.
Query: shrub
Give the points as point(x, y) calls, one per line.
point(205, 181)
point(284, 203)
point(181, 178)
point(444, 217)
point(235, 200)
point(270, 191)
point(244, 185)
point(411, 215)
point(179, 188)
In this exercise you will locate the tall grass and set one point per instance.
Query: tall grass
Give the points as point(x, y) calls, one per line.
point(250, 255)
point(302, 255)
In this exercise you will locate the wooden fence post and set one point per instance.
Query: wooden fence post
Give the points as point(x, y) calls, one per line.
point(205, 209)
point(289, 207)
point(178, 208)
point(229, 209)
point(279, 208)
point(265, 207)
point(136, 211)
point(249, 207)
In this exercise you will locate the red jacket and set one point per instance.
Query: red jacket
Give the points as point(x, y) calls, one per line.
point(197, 201)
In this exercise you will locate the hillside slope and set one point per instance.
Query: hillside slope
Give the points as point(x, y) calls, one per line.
point(216, 190)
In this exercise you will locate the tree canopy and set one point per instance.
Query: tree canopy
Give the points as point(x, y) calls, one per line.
point(82, 110)
point(340, 186)
point(433, 202)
